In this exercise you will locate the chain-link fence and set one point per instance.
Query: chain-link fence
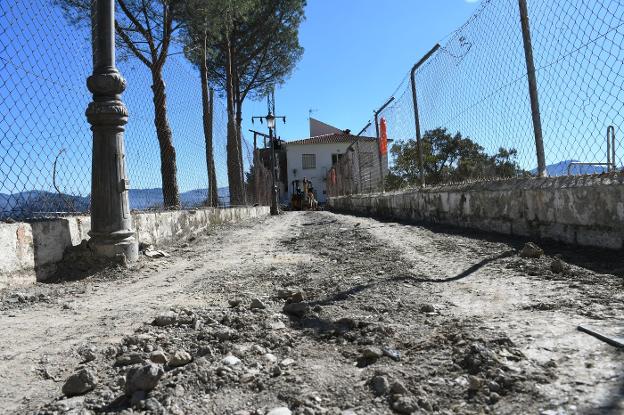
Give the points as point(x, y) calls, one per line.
point(45, 139)
point(476, 115)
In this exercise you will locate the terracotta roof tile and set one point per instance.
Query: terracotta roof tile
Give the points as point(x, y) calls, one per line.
point(330, 139)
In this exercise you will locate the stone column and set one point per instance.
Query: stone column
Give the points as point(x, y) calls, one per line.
point(111, 225)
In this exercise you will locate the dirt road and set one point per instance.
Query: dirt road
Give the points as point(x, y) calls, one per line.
point(379, 318)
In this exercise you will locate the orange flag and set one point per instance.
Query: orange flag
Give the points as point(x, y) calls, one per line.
point(383, 137)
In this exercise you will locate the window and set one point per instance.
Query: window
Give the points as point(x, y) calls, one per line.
point(308, 161)
point(336, 158)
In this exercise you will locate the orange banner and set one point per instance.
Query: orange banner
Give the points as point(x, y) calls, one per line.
point(383, 137)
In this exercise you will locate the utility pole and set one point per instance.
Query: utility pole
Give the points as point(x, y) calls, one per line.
point(111, 224)
point(270, 119)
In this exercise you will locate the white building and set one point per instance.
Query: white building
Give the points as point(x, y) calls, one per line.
point(313, 157)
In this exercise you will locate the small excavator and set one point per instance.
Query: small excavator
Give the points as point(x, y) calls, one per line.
point(303, 199)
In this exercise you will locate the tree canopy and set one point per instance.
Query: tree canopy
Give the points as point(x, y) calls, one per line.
point(261, 36)
point(448, 158)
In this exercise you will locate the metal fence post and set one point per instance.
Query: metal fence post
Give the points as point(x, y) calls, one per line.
point(421, 161)
point(535, 111)
point(111, 224)
point(380, 156)
point(379, 153)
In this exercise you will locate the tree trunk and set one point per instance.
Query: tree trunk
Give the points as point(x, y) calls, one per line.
point(233, 159)
point(207, 103)
point(239, 141)
point(168, 170)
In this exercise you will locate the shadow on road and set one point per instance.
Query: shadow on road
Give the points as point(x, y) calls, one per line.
point(345, 294)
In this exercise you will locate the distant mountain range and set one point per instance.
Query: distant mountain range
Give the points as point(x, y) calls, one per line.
point(561, 169)
point(35, 203)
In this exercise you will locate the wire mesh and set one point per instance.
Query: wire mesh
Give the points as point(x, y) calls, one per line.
point(45, 139)
point(474, 104)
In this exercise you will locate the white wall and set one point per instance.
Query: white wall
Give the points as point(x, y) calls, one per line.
point(323, 164)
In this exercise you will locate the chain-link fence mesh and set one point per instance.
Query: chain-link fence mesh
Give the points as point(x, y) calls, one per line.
point(474, 104)
point(357, 170)
point(45, 139)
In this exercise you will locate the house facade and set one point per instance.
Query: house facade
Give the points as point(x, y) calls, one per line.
point(312, 158)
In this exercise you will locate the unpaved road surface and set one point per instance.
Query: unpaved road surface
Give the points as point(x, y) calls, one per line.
point(323, 314)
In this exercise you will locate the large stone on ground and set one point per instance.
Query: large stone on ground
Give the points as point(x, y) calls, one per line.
point(144, 378)
point(531, 250)
point(180, 358)
point(166, 319)
point(80, 383)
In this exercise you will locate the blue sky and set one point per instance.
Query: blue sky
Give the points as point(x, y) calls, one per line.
point(356, 53)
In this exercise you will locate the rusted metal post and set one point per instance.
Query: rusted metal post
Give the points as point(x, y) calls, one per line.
point(111, 225)
point(421, 161)
point(380, 156)
point(357, 150)
point(535, 111)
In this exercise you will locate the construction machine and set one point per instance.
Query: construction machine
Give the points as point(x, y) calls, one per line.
point(303, 199)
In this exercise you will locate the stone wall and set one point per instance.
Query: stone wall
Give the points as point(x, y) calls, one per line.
point(583, 210)
point(29, 251)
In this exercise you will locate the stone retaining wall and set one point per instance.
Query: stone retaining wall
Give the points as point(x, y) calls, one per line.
point(583, 210)
point(30, 250)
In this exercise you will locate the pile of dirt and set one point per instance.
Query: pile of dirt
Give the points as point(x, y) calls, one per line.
point(249, 359)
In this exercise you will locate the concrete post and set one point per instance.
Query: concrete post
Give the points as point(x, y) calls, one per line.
point(111, 225)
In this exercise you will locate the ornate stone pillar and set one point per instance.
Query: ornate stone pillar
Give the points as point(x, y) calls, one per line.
point(111, 225)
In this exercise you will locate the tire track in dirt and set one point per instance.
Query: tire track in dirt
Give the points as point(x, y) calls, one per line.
point(38, 340)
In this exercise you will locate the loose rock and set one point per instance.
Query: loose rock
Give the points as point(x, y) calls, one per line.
point(158, 356)
point(231, 360)
point(280, 411)
point(270, 358)
point(180, 358)
point(296, 297)
point(405, 405)
point(129, 359)
point(80, 383)
point(296, 309)
point(287, 362)
point(87, 353)
point(283, 294)
point(167, 319)
point(398, 388)
point(144, 378)
point(371, 352)
point(379, 385)
point(557, 266)
point(531, 250)
point(474, 383)
point(257, 304)
point(392, 353)
point(427, 308)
